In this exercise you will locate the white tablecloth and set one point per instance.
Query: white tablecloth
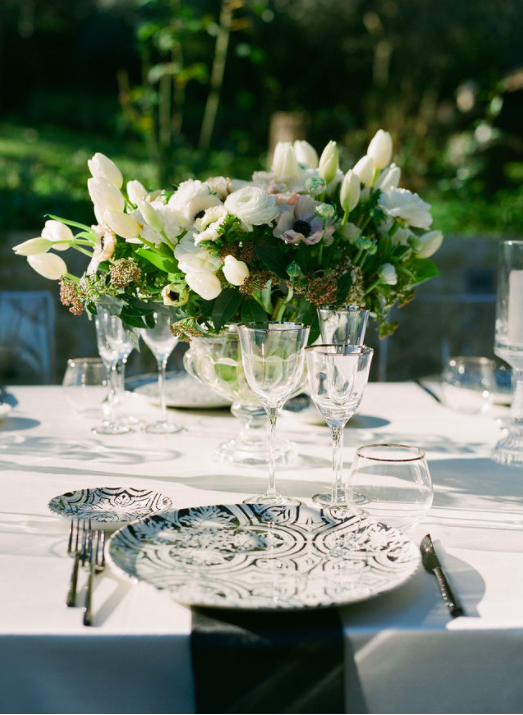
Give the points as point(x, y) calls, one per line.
point(404, 654)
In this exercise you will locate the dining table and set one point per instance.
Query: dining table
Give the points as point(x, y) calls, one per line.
point(402, 651)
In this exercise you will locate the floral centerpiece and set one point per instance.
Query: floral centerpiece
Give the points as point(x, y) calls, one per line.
point(225, 251)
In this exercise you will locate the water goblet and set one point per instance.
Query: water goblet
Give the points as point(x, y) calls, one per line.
point(391, 483)
point(338, 375)
point(85, 385)
point(114, 348)
point(273, 359)
point(161, 342)
point(342, 324)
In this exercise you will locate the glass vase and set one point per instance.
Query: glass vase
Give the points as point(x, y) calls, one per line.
point(215, 360)
point(509, 345)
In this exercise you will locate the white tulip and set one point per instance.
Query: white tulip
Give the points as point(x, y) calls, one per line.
point(306, 154)
point(236, 272)
point(204, 283)
point(350, 191)
point(252, 206)
point(32, 247)
point(135, 191)
point(408, 207)
point(101, 167)
point(388, 274)
point(329, 162)
point(428, 243)
point(105, 196)
point(122, 224)
point(285, 163)
point(365, 169)
point(150, 215)
point(389, 178)
point(59, 234)
point(380, 149)
point(48, 265)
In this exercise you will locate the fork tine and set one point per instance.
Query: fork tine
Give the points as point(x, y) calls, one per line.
point(102, 538)
point(70, 543)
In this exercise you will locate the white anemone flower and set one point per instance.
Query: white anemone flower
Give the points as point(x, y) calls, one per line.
point(409, 208)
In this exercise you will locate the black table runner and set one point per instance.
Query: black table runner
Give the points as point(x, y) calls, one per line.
point(279, 662)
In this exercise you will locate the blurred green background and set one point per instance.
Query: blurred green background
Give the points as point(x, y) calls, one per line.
point(176, 88)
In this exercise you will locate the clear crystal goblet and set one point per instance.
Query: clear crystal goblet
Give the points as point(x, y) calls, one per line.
point(161, 342)
point(338, 375)
point(273, 358)
point(114, 348)
point(342, 324)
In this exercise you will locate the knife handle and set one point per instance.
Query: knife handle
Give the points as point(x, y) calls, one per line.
point(450, 599)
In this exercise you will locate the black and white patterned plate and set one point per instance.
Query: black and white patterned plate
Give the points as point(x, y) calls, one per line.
point(109, 504)
point(262, 557)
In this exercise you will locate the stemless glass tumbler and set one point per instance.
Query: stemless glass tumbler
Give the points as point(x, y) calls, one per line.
point(391, 483)
point(343, 324)
point(273, 358)
point(161, 342)
point(338, 375)
point(85, 385)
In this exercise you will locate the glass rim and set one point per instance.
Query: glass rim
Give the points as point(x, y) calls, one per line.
point(358, 349)
point(350, 308)
point(84, 361)
point(470, 359)
point(407, 447)
point(261, 325)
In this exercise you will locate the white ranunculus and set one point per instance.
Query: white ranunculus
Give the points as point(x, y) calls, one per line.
point(365, 169)
point(48, 265)
point(428, 243)
point(150, 215)
point(388, 274)
point(285, 163)
point(101, 167)
point(329, 162)
point(406, 206)
point(32, 247)
point(205, 283)
point(236, 272)
point(194, 258)
point(350, 191)
point(136, 190)
point(351, 232)
point(402, 237)
point(380, 149)
point(389, 178)
point(59, 234)
point(306, 154)
point(186, 192)
point(252, 206)
point(219, 185)
point(123, 225)
point(105, 196)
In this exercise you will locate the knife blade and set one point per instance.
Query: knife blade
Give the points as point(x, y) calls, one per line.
point(431, 563)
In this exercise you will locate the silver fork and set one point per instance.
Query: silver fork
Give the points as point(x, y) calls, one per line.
point(77, 548)
point(96, 558)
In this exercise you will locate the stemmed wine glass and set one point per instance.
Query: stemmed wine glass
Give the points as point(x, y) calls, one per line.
point(113, 347)
point(273, 357)
point(161, 342)
point(343, 324)
point(338, 375)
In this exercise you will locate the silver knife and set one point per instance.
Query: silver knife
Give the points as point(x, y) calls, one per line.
point(431, 563)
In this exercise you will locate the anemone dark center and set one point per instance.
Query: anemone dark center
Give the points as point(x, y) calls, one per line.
point(303, 227)
point(200, 214)
point(173, 295)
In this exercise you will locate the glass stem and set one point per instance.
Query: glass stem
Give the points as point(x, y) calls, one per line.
point(273, 414)
point(516, 409)
point(162, 364)
point(337, 443)
point(112, 381)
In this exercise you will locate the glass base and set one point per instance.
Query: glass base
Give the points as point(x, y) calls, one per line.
point(111, 428)
point(250, 450)
point(272, 499)
point(509, 450)
point(162, 428)
point(327, 500)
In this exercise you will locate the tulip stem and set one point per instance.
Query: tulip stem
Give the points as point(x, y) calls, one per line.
point(344, 220)
point(147, 243)
point(167, 241)
point(72, 278)
point(82, 250)
point(372, 286)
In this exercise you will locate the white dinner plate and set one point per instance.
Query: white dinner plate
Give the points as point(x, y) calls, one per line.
point(248, 556)
point(181, 390)
point(109, 504)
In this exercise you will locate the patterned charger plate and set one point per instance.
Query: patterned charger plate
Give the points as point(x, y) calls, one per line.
point(109, 504)
point(264, 557)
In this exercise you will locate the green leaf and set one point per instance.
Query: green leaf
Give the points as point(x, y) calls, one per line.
point(149, 319)
point(164, 263)
point(252, 311)
point(274, 259)
point(344, 283)
point(111, 304)
point(225, 306)
point(132, 336)
point(423, 269)
point(304, 258)
point(314, 332)
point(70, 223)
